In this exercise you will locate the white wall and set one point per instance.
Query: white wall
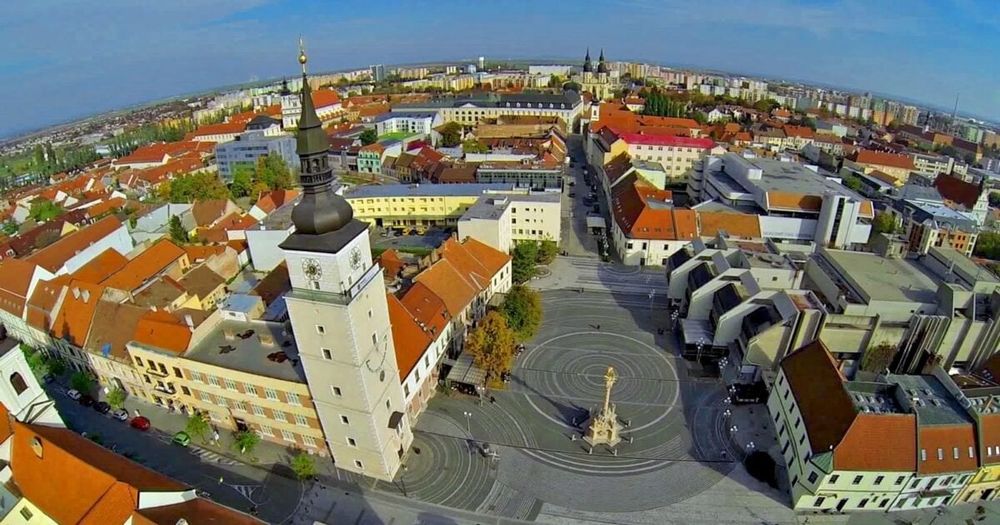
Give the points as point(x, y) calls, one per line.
point(119, 240)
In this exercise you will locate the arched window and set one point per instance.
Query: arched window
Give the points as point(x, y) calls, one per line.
point(18, 383)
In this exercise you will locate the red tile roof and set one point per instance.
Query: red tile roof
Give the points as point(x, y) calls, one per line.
point(148, 264)
point(224, 128)
point(392, 263)
point(454, 288)
point(54, 256)
point(881, 158)
point(157, 151)
point(644, 212)
point(325, 97)
point(15, 278)
point(408, 338)
point(958, 190)
point(101, 267)
point(946, 438)
point(666, 140)
point(165, 330)
point(275, 199)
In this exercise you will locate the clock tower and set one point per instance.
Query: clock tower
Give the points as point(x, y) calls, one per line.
point(340, 316)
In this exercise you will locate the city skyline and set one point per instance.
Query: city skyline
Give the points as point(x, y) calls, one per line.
point(107, 63)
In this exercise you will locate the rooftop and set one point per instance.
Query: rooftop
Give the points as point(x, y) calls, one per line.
point(255, 347)
point(487, 208)
point(423, 190)
point(933, 404)
point(886, 279)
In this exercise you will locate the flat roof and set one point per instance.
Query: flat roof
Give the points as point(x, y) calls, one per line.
point(966, 265)
point(424, 190)
point(248, 354)
point(933, 403)
point(887, 279)
point(279, 219)
point(792, 177)
point(940, 212)
point(487, 207)
point(535, 197)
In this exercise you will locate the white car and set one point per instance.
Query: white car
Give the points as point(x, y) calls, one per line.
point(73, 394)
point(121, 414)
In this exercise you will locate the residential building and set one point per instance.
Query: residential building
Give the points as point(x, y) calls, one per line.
point(248, 148)
point(933, 164)
point(676, 154)
point(412, 123)
point(370, 158)
point(897, 166)
point(522, 174)
point(536, 216)
point(489, 222)
point(72, 251)
point(326, 101)
point(470, 110)
point(377, 72)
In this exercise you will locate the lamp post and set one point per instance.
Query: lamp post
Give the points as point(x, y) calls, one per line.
point(652, 294)
point(468, 422)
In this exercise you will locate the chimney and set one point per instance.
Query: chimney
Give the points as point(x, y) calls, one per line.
point(189, 321)
point(76, 293)
point(86, 295)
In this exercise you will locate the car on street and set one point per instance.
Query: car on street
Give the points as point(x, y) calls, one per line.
point(73, 394)
point(139, 423)
point(486, 450)
point(102, 407)
point(572, 194)
point(48, 378)
point(182, 438)
point(86, 400)
point(121, 414)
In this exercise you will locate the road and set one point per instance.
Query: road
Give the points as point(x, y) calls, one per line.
point(230, 483)
point(576, 239)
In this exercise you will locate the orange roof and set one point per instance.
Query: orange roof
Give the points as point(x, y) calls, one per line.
point(488, 257)
point(153, 260)
point(735, 224)
point(15, 278)
point(645, 212)
point(73, 480)
point(163, 330)
point(408, 338)
point(6, 423)
point(867, 210)
point(881, 158)
point(105, 206)
point(863, 447)
point(207, 212)
point(155, 175)
point(224, 128)
point(76, 313)
point(946, 438)
point(157, 151)
point(455, 289)
point(375, 146)
point(325, 97)
point(799, 131)
point(275, 199)
point(426, 307)
point(197, 511)
point(198, 253)
point(44, 302)
point(783, 200)
point(469, 264)
point(101, 267)
point(54, 256)
point(391, 261)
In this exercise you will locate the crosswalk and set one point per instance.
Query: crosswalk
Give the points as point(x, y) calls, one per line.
point(208, 455)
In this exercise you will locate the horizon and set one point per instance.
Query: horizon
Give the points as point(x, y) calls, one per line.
point(110, 66)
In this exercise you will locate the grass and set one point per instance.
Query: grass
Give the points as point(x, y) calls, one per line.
point(397, 135)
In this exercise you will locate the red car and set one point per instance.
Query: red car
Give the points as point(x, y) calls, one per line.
point(139, 423)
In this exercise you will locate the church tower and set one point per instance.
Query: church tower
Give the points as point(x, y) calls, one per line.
point(340, 316)
point(587, 66)
point(602, 67)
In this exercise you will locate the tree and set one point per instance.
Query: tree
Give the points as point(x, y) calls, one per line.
point(82, 382)
point(878, 358)
point(274, 173)
point(885, 222)
point(243, 177)
point(852, 182)
point(491, 345)
point(116, 398)
point(474, 146)
point(57, 366)
point(522, 308)
point(988, 245)
point(197, 426)
point(993, 197)
point(10, 227)
point(197, 186)
point(177, 231)
point(36, 360)
point(766, 105)
point(303, 466)
point(245, 441)
point(523, 265)
point(43, 210)
point(547, 251)
point(572, 86)
point(451, 134)
point(368, 136)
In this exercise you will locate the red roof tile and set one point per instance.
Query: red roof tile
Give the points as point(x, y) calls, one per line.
point(881, 158)
point(54, 256)
point(408, 338)
point(958, 190)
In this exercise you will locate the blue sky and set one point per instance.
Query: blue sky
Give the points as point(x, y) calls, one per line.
point(61, 59)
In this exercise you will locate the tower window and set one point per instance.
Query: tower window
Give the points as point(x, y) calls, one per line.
point(17, 382)
point(320, 329)
point(336, 391)
point(351, 442)
point(327, 354)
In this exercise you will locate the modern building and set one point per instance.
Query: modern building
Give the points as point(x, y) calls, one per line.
point(527, 173)
point(377, 72)
point(415, 122)
point(251, 146)
point(470, 110)
point(489, 221)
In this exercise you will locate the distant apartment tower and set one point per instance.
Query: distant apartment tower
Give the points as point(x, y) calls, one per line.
point(482, 63)
point(378, 72)
point(248, 147)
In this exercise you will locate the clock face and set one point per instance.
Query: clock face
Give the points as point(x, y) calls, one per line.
point(311, 269)
point(356, 258)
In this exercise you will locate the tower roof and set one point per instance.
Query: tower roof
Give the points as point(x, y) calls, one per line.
point(587, 67)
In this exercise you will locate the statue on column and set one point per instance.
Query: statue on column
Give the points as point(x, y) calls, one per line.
point(604, 428)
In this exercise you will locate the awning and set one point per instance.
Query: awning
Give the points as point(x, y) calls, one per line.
point(466, 372)
point(596, 222)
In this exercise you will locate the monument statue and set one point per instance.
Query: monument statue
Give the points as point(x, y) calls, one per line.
point(604, 428)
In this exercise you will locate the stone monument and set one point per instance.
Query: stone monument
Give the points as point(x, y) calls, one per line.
point(604, 428)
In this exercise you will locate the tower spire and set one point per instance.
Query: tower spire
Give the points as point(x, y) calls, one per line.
point(587, 66)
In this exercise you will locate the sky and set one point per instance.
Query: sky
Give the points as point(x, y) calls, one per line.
point(65, 59)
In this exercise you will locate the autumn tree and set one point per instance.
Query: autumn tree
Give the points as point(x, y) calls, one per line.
point(116, 398)
point(451, 134)
point(44, 210)
point(491, 345)
point(885, 222)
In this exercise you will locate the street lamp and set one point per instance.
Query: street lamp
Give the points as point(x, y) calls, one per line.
point(652, 294)
point(468, 422)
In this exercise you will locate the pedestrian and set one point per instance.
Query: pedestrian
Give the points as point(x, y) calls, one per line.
point(493, 400)
point(598, 327)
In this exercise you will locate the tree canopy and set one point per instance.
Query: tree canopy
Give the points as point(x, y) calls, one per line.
point(451, 134)
point(177, 232)
point(547, 251)
point(522, 309)
point(116, 398)
point(197, 427)
point(195, 186)
point(523, 264)
point(368, 136)
point(491, 345)
point(44, 210)
point(988, 245)
point(885, 222)
point(304, 466)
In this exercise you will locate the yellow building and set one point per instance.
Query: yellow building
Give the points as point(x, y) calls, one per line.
point(418, 206)
point(984, 485)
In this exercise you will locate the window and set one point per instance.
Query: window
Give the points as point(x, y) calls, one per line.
point(287, 436)
point(819, 501)
point(309, 441)
point(375, 339)
point(250, 389)
point(862, 504)
point(972, 452)
point(177, 372)
point(185, 390)
point(258, 410)
point(359, 464)
point(834, 478)
point(327, 354)
point(406, 390)
point(271, 394)
point(239, 406)
point(344, 420)
point(138, 360)
point(206, 397)
point(923, 454)
point(883, 503)
point(857, 480)
point(387, 404)
point(878, 480)
point(26, 513)
point(336, 391)
point(195, 376)
point(293, 398)
point(940, 454)
point(214, 381)
point(17, 382)
point(279, 415)
point(320, 329)
point(301, 420)
point(230, 384)
point(900, 480)
point(812, 477)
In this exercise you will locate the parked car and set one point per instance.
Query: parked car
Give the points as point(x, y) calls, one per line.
point(572, 194)
point(73, 394)
point(48, 378)
point(182, 438)
point(102, 407)
point(486, 450)
point(121, 414)
point(86, 400)
point(139, 423)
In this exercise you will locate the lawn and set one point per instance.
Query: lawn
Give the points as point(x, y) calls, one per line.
point(399, 135)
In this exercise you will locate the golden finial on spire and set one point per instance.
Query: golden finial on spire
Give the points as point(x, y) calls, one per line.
point(302, 55)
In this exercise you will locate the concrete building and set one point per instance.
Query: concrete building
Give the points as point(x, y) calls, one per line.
point(264, 238)
point(933, 164)
point(377, 72)
point(536, 216)
point(251, 146)
point(488, 221)
point(470, 110)
point(677, 155)
point(415, 122)
point(522, 174)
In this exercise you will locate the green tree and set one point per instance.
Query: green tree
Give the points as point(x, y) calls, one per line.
point(36, 360)
point(451, 134)
point(524, 259)
point(522, 308)
point(368, 136)
point(993, 197)
point(197, 186)
point(988, 245)
point(116, 398)
point(766, 105)
point(304, 466)
point(44, 210)
point(10, 227)
point(878, 358)
point(885, 222)
point(177, 231)
point(197, 427)
point(491, 345)
point(57, 366)
point(246, 441)
point(852, 182)
point(242, 181)
point(572, 86)
point(547, 251)
point(274, 173)
point(474, 146)
point(82, 382)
